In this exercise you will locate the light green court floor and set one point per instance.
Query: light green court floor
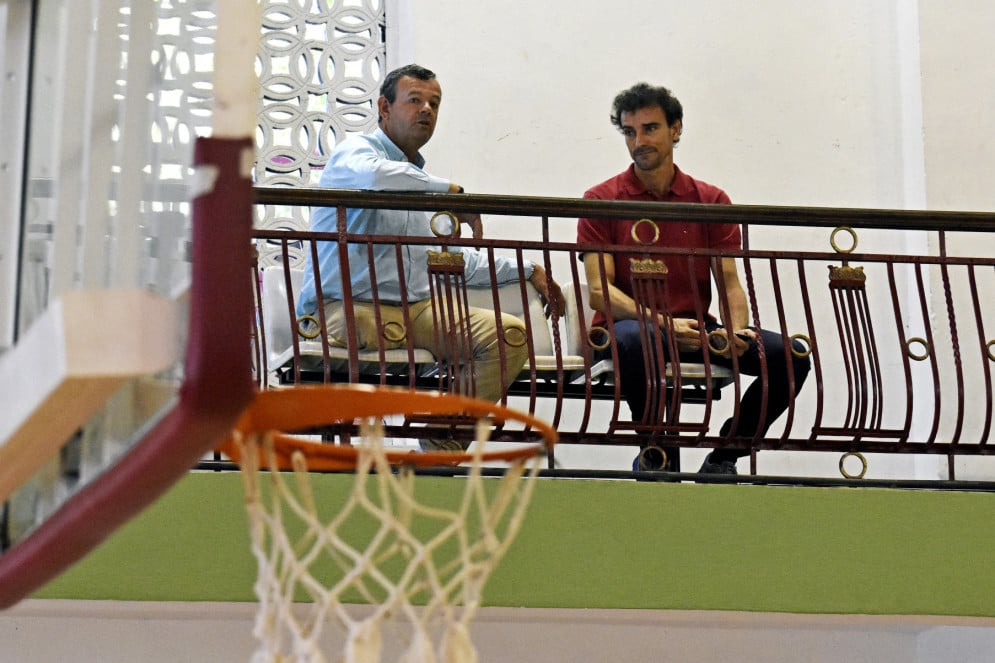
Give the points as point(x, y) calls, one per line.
point(619, 544)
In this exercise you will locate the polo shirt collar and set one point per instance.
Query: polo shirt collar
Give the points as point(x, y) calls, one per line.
point(394, 152)
point(634, 187)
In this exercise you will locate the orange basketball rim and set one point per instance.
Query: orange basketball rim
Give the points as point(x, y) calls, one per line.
point(288, 410)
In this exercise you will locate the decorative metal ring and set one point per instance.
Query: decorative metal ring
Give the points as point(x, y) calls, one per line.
point(519, 336)
point(848, 230)
point(635, 234)
point(808, 343)
point(991, 350)
point(722, 350)
point(926, 348)
point(597, 346)
point(652, 458)
point(396, 337)
point(452, 217)
point(863, 465)
point(308, 320)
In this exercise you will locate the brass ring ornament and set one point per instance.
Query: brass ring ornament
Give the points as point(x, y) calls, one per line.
point(991, 350)
point(850, 231)
point(635, 234)
point(652, 458)
point(808, 345)
point(396, 336)
point(452, 217)
point(920, 356)
point(515, 337)
point(722, 350)
point(598, 346)
point(304, 324)
point(863, 465)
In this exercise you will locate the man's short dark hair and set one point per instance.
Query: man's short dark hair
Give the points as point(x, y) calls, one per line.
point(389, 87)
point(644, 95)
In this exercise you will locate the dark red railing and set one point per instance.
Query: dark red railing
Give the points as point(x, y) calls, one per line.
point(899, 335)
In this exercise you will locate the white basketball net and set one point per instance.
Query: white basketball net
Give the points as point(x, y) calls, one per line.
point(381, 557)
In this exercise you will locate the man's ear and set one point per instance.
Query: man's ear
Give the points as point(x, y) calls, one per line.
point(383, 106)
point(675, 130)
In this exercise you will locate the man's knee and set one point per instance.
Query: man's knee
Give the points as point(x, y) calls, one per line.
point(628, 338)
point(516, 339)
point(801, 362)
point(491, 339)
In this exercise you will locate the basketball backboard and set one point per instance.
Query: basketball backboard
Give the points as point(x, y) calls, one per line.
point(125, 346)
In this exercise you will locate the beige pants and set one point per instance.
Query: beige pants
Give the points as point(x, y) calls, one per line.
point(484, 346)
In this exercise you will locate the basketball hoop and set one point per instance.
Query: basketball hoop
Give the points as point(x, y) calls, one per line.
point(412, 561)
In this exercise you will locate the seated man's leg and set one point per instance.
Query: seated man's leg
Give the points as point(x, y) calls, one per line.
point(493, 354)
point(490, 353)
point(489, 361)
point(780, 370)
point(631, 366)
point(633, 380)
point(367, 331)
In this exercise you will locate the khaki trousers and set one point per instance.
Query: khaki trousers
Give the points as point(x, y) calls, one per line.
point(484, 347)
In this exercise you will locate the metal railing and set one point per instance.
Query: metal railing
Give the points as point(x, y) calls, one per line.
point(899, 335)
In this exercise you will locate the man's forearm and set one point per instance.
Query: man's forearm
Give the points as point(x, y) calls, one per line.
point(739, 312)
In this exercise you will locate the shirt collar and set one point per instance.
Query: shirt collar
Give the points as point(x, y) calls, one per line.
point(632, 186)
point(394, 152)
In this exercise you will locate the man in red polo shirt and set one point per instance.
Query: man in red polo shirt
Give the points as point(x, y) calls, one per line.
point(651, 119)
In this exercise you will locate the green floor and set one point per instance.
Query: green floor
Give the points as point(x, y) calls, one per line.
point(620, 544)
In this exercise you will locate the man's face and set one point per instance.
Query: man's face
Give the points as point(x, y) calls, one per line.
point(649, 139)
point(410, 120)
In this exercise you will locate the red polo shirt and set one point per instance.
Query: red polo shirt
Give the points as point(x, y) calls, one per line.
point(673, 234)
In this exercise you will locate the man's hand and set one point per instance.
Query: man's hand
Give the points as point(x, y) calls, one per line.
point(468, 218)
point(473, 220)
point(741, 340)
point(549, 290)
point(686, 334)
point(718, 341)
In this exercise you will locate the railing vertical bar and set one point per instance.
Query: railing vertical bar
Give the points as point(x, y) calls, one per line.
point(902, 341)
point(858, 329)
point(955, 350)
point(751, 298)
point(715, 265)
point(352, 334)
point(925, 312)
point(409, 342)
point(983, 356)
point(813, 338)
point(378, 311)
point(847, 353)
point(584, 349)
point(554, 325)
point(602, 275)
point(782, 322)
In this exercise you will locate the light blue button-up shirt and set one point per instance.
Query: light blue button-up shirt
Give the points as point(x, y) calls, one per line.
point(373, 162)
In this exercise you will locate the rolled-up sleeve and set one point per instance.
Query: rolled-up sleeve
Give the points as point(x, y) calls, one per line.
point(360, 165)
point(478, 273)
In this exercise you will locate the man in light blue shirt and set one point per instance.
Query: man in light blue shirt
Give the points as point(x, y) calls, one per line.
point(389, 160)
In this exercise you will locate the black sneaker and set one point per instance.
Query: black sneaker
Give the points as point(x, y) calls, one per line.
point(720, 467)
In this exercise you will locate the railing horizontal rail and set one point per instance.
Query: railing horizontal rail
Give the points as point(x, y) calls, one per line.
point(305, 235)
point(574, 207)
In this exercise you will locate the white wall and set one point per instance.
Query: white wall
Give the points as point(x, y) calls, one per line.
point(958, 96)
point(785, 102)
